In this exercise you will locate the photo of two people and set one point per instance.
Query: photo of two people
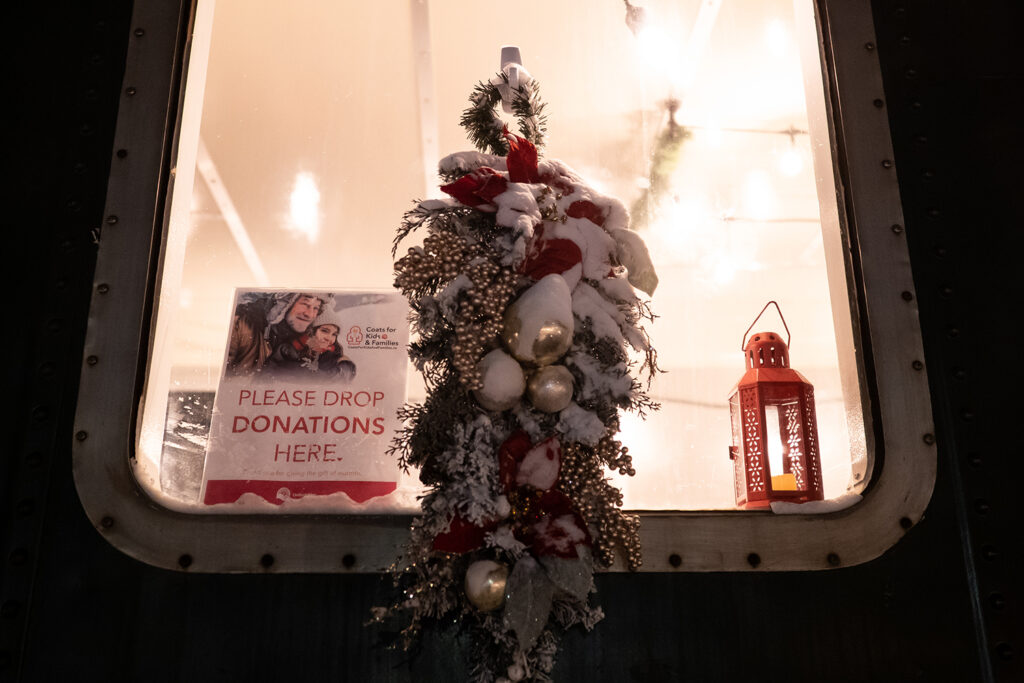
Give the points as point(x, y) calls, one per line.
point(289, 335)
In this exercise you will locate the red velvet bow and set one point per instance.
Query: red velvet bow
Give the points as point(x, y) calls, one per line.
point(547, 256)
point(478, 188)
point(521, 159)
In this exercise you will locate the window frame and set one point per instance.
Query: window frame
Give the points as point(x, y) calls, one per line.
point(897, 408)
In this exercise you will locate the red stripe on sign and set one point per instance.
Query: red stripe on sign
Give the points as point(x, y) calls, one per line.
point(276, 492)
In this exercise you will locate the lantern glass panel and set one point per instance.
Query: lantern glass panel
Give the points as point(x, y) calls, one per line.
point(296, 172)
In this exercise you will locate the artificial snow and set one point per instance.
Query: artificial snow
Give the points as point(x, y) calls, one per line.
point(431, 205)
point(540, 465)
point(578, 424)
point(465, 162)
point(503, 381)
point(448, 298)
point(817, 507)
point(605, 317)
point(598, 382)
point(502, 537)
point(518, 210)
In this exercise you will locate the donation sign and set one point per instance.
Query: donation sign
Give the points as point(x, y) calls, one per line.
point(307, 401)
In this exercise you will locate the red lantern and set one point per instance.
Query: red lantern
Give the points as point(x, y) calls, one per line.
point(774, 431)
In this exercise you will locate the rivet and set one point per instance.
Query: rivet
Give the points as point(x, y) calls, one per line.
point(1004, 651)
point(953, 332)
point(897, 228)
point(107, 522)
point(997, 601)
point(941, 252)
point(140, 32)
point(82, 435)
point(130, 90)
point(906, 296)
point(917, 365)
point(946, 291)
point(111, 219)
point(904, 40)
point(878, 103)
point(967, 415)
point(832, 559)
point(348, 561)
point(24, 507)
point(103, 288)
point(18, 557)
point(46, 369)
point(982, 506)
point(989, 552)
point(921, 139)
point(928, 439)
point(675, 560)
point(753, 559)
point(267, 561)
point(959, 373)
point(934, 213)
point(910, 74)
point(40, 413)
point(122, 153)
point(54, 324)
point(886, 163)
point(916, 105)
point(927, 174)
point(92, 360)
point(185, 561)
point(974, 459)
point(869, 46)
point(80, 167)
point(85, 130)
point(906, 523)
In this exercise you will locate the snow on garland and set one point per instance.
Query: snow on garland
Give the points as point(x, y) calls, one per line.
point(523, 305)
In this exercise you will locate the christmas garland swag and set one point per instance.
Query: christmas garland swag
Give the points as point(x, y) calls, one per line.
point(523, 303)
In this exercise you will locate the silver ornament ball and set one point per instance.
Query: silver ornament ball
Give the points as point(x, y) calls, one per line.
point(550, 388)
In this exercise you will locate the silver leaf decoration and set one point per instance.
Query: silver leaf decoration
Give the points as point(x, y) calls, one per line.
point(529, 595)
point(573, 576)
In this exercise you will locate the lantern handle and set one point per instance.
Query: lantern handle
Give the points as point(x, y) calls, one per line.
point(743, 343)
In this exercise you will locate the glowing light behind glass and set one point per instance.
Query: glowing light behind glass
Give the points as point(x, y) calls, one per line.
point(304, 216)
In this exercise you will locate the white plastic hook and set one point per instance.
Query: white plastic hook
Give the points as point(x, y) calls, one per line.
point(512, 67)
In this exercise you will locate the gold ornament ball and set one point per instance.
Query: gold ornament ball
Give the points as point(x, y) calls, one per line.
point(550, 388)
point(485, 584)
point(549, 344)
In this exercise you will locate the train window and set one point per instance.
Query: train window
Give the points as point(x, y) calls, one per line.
point(732, 130)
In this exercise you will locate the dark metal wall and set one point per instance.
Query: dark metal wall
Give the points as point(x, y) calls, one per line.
point(943, 605)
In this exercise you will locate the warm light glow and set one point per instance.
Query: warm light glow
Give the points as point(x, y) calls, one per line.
point(305, 208)
point(773, 438)
point(759, 199)
point(680, 218)
point(791, 162)
point(712, 133)
point(776, 38)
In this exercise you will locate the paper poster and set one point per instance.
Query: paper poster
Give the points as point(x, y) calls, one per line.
point(307, 401)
